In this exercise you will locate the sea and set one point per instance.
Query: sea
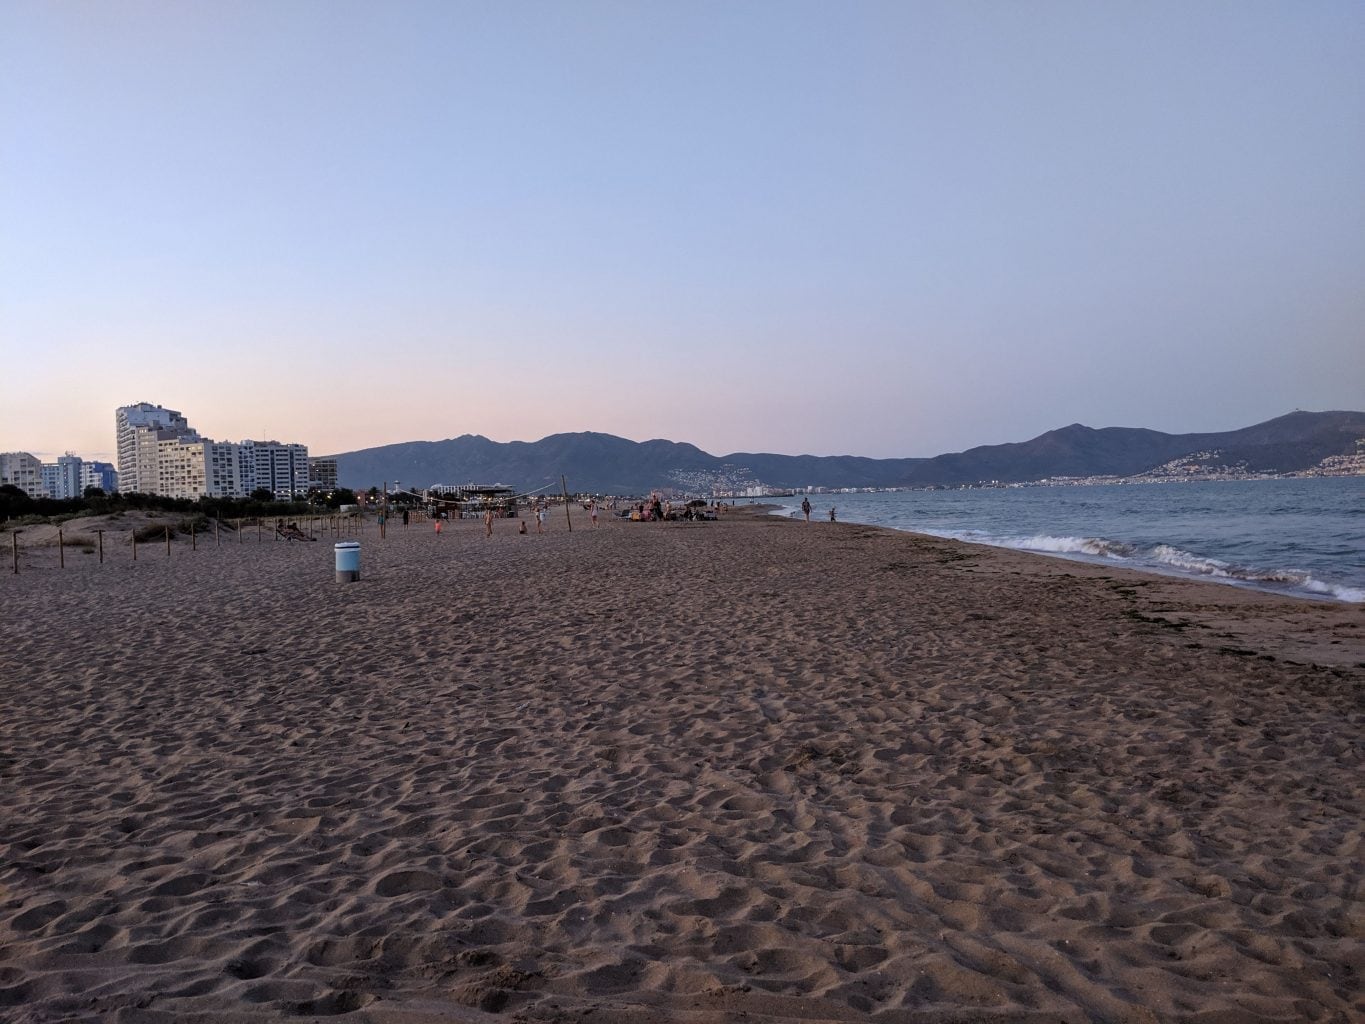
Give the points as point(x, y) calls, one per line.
point(1302, 536)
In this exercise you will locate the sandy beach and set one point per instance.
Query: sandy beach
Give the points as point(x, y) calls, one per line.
point(754, 770)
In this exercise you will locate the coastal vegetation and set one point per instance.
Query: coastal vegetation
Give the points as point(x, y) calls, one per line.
point(17, 506)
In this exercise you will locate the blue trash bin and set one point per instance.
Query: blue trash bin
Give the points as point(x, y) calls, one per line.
point(348, 561)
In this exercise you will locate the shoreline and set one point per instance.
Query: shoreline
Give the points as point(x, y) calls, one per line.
point(1313, 580)
point(675, 772)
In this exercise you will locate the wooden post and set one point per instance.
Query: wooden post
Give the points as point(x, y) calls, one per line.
point(258, 529)
point(134, 543)
point(61, 550)
point(563, 483)
point(101, 533)
point(168, 542)
point(239, 531)
point(194, 545)
point(14, 538)
point(218, 542)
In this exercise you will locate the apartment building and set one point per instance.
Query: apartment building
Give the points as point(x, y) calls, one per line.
point(322, 474)
point(160, 453)
point(194, 467)
point(140, 429)
point(99, 474)
point(282, 469)
point(24, 471)
point(63, 478)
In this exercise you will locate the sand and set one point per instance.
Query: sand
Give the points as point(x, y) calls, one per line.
point(752, 770)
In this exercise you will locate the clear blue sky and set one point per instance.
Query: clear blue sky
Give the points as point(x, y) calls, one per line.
point(883, 229)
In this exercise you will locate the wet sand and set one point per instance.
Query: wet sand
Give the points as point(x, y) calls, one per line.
point(752, 770)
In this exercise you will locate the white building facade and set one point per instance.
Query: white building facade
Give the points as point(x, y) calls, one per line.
point(24, 471)
point(197, 468)
point(139, 430)
point(282, 469)
point(66, 480)
point(99, 474)
point(160, 453)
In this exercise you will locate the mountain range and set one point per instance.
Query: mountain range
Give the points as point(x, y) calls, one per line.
point(605, 464)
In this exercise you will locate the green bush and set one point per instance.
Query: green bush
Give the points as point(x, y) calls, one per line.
point(200, 524)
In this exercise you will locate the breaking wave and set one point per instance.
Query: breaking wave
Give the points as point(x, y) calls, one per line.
point(1289, 537)
point(1096, 546)
point(1163, 558)
point(1169, 559)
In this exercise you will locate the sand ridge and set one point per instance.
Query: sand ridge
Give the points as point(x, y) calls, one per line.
point(742, 770)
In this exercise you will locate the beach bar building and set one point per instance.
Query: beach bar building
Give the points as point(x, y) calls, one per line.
point(470, 499)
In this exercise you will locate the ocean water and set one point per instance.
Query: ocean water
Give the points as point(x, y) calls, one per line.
point(1304, 537)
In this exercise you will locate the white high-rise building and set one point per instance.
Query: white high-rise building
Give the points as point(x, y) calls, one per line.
point(279, 468)
point(159, 453)
point(23, 471)
point(140, 428)
point(65, 479)
point(193, 467)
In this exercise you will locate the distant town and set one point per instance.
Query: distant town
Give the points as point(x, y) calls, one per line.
point(160, 453)
point(738, 482)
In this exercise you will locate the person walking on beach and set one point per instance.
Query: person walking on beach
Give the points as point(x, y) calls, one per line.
point(541, 514)
point(438, 524)
point(488, 522)
point(592, 512)
point(831, 514)
point(805, 507)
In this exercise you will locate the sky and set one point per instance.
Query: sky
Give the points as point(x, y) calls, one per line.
point(882, 229)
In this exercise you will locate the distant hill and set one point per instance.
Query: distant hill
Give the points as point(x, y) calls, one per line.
point(613, 465)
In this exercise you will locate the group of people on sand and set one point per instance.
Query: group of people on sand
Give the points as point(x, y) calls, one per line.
point(291, 532)
point(540, 512)
point(656, 510)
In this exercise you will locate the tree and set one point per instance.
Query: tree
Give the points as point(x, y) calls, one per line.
point(341, 496)
point(262, 494)
point(14, 501)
